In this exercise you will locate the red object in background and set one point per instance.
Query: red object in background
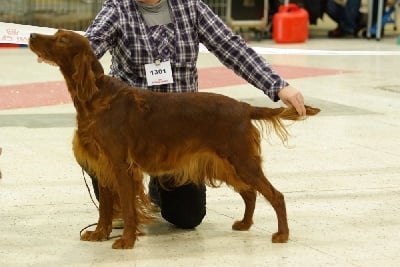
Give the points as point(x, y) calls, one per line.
point(6, 45)
point(290, 24)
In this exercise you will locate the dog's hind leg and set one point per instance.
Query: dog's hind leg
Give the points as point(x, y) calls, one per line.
point(104, 225)
point(250, 173)
point(277, 201)
point(249, 197)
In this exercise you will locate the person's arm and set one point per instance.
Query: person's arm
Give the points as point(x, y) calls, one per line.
point(234, 53)
point(102, 33)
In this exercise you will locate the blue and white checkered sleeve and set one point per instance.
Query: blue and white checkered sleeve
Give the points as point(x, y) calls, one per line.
point(234, 53)
point(101, 33)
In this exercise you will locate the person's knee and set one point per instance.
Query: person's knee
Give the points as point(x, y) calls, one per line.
point(188, 220)
point(184, 206)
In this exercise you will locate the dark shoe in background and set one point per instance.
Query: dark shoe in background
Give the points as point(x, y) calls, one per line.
point(340, 33)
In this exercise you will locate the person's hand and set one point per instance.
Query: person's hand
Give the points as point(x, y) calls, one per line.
point(293, 98)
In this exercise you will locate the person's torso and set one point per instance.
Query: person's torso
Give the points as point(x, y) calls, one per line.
point(141, 44)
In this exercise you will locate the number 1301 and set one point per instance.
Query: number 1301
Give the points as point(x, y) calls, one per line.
point(158, 72)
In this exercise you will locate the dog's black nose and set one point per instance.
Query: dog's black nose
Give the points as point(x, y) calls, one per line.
point(33, 35)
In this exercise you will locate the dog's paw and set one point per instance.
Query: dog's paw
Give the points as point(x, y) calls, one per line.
point(241, 226)
point(123, 244)
point(94, 236)
point(280, 237)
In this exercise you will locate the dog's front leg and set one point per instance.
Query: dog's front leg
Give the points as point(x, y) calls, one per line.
point(104, 225)
point(127, 195)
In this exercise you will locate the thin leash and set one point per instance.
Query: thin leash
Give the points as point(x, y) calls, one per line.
point(87, 187)
point(91, 197)
point(94, 203)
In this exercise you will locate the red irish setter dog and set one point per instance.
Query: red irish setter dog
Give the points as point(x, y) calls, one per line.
point(123, 131)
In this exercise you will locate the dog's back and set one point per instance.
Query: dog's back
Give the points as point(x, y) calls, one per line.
point(198, 119)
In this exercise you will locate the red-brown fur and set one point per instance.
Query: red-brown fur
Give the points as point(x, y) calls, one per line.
point(124, 131)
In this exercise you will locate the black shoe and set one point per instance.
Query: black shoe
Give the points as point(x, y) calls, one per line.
point(340, 33)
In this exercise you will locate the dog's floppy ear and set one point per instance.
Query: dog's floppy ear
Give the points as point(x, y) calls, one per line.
point(84, 77)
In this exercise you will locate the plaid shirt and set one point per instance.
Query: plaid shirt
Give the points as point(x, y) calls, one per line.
point(120, 29)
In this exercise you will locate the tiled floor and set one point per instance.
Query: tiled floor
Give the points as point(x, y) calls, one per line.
point(340, 175)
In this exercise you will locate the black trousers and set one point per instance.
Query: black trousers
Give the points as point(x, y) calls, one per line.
point(183, 206)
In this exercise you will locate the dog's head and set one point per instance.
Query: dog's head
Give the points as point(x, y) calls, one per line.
point(73, 54)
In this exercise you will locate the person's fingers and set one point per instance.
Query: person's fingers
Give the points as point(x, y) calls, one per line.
point(293, 98)
point(299, 105)
point(296, 101)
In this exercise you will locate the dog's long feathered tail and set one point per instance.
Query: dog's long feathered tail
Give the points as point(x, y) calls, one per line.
point(275, 116)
